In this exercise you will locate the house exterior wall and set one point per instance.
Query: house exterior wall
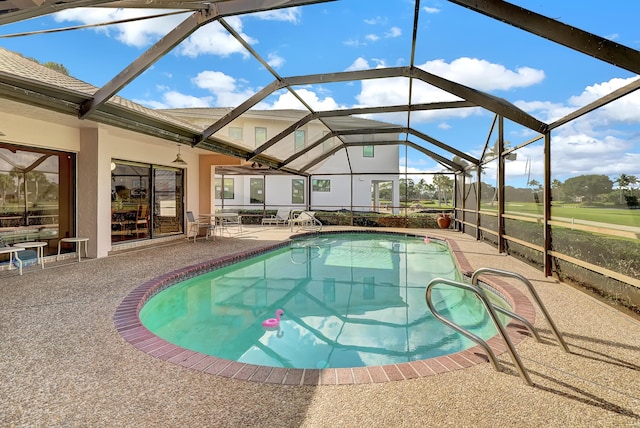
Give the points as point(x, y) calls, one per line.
point(346, 192)
point(277, 192)
point(207, 164)
point(95, 146)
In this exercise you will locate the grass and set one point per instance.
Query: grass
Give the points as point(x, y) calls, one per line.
point(624, 217)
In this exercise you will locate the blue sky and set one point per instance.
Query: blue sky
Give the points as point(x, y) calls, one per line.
point(543, 78)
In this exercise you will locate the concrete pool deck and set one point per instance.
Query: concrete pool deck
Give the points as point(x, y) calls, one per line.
point(64, 363)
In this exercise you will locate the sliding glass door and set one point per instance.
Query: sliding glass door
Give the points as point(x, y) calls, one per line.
point(146, 201)
point(168, 205)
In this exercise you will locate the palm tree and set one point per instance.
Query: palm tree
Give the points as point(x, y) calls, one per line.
point(16, 173)
point(38, 179)
point(6, 182)
point(623, 182)
point(535, 185)
point(443, 184)
point(556, 185)
point(633, 180)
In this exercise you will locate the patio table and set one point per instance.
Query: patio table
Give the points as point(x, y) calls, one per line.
point(225, 219)
point(38, 245)
point(13, 251)
point(78, 241)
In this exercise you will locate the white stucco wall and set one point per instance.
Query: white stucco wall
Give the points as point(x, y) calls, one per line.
point(277, 192)
point(95, 146)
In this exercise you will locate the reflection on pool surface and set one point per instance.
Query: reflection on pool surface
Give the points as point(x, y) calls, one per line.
point(349, 300)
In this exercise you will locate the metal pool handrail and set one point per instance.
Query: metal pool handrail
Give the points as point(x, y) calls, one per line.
point(534, 294)
point(489, 307)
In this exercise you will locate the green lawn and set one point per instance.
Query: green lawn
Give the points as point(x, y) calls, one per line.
point(624, 217)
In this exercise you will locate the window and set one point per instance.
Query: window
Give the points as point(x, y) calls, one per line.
point(367, 151)
point(256, 189)
point(235, 133)
point(36, 194)
point(168, 189)
point(328, 144)
point(261, 136)
point(228, 188)
point(300, 140)
point(297, 191)
point(146, 200)
point(321, 185)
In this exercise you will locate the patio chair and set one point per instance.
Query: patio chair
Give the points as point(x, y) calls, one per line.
point(196, 224)
point(227, 219)
point(305, 220)
point(280, 218)
point(142, 219)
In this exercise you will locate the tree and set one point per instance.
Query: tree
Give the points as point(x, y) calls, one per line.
point(421, 187)
point(384, 191)
point(6, 183)
point(492, 152)
point(443, 184)
point(535, 185)
point(633, 180)
point(36, 179)
point(17, 174)
point(556, 185)
point(53, 66)
point(623, 183)
point(57, 67)
point(407, 189)
point(587, 186)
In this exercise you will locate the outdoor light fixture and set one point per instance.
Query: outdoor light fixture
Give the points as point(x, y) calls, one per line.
point(179, 160)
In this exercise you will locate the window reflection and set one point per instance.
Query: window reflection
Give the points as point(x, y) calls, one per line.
point(36, 194)
point(133, 188)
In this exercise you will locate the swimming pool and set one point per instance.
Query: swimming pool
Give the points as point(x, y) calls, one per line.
point(349, 300)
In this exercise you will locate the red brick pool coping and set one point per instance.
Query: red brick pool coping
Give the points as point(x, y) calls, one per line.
point(127, 323)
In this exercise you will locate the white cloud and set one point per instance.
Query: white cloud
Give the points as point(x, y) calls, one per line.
point(359, 64)
point(213, 39)
point(394, 91)
point(353, 43)
point(393, 33)
point(177, 100)
point(623, 110)
point(483, 75)
point(137, 33)
point(472, 72)
point(173, 99)
point(600, 142)
point(375, 21)
point(275, 60)
point(225, 89)
point(428, 9)
point(291, 14)
point(287, 101)
point(215, 81)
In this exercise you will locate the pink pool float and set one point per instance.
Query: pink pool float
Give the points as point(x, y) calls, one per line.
point(426, 239)
point(273, 322)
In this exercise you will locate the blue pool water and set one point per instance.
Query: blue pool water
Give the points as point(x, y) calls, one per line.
point(349, 300)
